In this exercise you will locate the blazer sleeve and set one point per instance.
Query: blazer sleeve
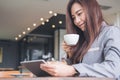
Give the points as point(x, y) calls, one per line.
point(110, 67)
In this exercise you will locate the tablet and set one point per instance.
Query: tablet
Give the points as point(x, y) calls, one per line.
point(34, 67)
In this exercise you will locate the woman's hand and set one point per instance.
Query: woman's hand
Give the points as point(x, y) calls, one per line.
point(67, 48)
point(58, 69)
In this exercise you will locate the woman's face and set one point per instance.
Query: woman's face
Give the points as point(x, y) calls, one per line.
point(78, 16)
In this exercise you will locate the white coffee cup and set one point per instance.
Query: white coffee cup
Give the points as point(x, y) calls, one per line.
point(71, 39)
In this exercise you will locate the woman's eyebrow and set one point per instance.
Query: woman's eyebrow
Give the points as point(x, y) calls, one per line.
point(77, 11)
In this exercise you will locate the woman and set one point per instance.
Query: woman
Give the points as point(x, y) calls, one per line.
point(97, 53)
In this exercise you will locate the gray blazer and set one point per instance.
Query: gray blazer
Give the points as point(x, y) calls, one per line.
point(103, 58)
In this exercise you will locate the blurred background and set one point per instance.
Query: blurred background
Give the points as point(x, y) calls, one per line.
point(34, 29)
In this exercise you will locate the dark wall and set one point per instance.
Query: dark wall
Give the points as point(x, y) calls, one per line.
point(44, 45)
point(10, 54)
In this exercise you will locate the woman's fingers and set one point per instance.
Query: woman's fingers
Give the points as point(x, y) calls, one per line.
point(66, 47)
point(49, 68)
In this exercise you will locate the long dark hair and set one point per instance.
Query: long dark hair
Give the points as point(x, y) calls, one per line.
point(93, 23)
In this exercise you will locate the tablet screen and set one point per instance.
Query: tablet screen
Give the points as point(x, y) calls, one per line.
point(34, 67)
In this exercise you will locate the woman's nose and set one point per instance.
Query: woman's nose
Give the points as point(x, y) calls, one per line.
point(77, 20)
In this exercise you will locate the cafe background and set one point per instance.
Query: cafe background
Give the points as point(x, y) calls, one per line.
point(34, 29)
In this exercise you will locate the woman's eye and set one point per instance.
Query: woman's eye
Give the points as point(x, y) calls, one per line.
point(73, 18)
point(79, 14)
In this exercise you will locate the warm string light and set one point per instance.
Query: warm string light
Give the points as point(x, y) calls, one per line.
point(24, 32)
point(28, 29)
point(16, 38)
point(60, 22)
point(19, 35)
point(47, 20)
point(50, 12)
point(43, 23)
point(53, 26)
point(41, 19)
point(55, 14)
point(34, 25)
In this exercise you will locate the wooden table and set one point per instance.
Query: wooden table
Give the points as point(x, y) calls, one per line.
point(56, 78)
point(6, 69)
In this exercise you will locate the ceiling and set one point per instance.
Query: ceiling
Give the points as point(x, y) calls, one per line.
point(17, 15)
